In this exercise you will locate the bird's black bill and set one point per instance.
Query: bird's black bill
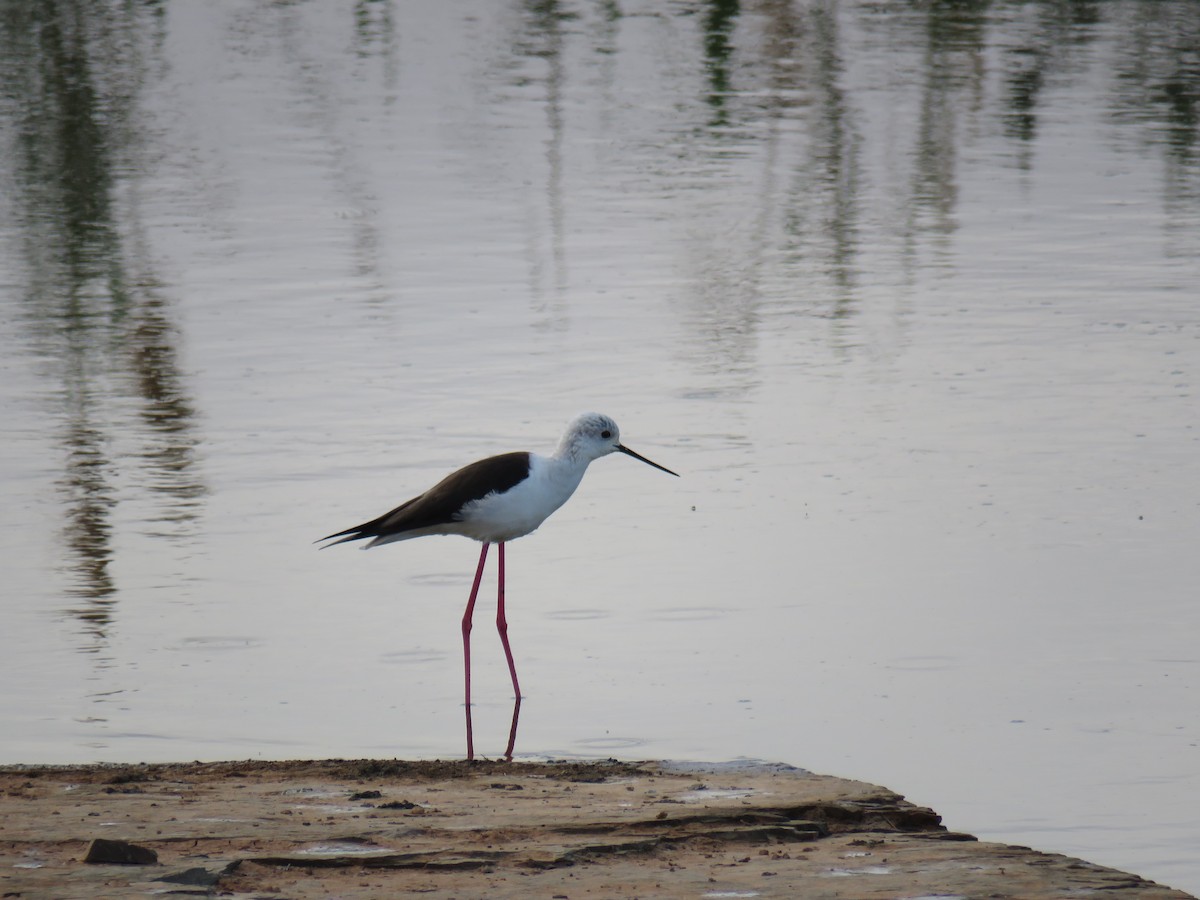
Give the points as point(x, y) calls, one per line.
point(648, 462)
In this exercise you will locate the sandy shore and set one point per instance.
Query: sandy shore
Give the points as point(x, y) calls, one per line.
point(381, 829)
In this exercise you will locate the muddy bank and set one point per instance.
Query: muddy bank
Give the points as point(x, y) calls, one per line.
point(379, 828)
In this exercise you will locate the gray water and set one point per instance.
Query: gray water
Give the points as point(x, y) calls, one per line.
point(909, 295)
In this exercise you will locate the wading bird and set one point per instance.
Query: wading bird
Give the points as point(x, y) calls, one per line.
point(496, 500)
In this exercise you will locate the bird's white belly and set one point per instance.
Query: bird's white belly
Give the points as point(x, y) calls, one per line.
point(522, 508)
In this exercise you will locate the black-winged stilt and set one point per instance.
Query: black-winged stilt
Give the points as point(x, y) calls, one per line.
point(496, 500)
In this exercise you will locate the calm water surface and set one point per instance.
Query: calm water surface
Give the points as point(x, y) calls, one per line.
point(908, 294)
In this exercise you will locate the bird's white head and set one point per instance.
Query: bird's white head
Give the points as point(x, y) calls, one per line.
point(590, 436)
point(593, 435)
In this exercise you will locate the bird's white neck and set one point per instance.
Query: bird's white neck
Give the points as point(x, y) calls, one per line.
point(568, 451)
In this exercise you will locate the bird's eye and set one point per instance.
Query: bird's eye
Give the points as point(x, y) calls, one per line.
point(606, 434)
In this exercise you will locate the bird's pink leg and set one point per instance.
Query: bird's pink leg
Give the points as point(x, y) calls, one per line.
point(466, 633)
point(502, 627)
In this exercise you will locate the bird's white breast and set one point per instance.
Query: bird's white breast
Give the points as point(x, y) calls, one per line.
point(523, 507)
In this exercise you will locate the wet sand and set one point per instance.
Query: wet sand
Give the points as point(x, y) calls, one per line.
point(380, 828)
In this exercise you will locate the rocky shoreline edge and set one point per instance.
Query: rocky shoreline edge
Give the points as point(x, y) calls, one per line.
point(557, 829)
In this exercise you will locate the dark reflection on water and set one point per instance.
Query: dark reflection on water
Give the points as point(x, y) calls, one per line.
point(834, 160)
point(776, 95)
point(542, 39)
point(374, 26)
point(719, 21)
point(88, 532)
point(1158, 90)
point(952, 70)
point(97, 318)
point(1060, 34)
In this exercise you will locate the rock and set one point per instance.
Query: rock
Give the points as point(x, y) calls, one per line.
point(121, 853)
point(198, 876)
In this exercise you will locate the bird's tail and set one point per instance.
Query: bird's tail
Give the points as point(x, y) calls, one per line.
point(357, 533)
point(376, 528)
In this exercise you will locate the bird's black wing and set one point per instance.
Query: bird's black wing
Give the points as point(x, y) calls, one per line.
point(442, 504)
